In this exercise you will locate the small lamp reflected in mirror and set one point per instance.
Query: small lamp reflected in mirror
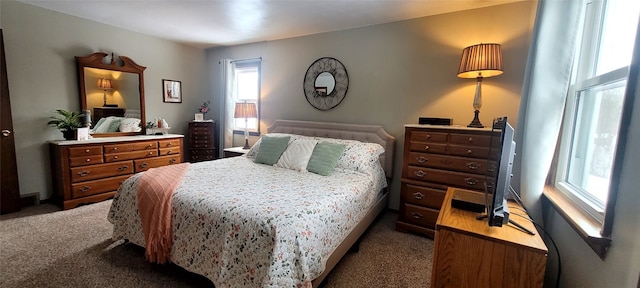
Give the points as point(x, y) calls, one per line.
point(105, 84)
point(246, 110)
point(480, 61)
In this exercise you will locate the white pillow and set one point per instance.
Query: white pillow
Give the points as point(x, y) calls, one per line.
point(297, 155)
point(130, 125)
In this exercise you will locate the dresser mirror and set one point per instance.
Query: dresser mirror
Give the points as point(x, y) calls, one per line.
point(113, 93)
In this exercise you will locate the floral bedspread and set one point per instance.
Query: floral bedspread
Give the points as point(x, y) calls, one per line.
point(242, 224)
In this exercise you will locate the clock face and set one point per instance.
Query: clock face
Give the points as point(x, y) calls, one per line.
point(325, 83)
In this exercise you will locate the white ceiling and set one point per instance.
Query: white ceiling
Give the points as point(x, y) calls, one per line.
point(209, 23)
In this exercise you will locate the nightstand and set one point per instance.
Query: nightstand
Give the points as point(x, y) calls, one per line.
point(234, 151)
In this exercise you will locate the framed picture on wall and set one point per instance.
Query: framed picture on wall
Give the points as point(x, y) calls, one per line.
point(171, 91)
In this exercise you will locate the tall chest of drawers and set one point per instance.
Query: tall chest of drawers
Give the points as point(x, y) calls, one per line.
point(202, 141)
point(92, 170)
point(435, 158)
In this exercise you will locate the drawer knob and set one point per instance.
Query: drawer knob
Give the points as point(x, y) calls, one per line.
point(169, 152)
point(469, 152)
point(123, 167)
point(171, 161)
point(426, 147)
point(115, 148)
point(169, 144)
point(470, 139)
point(149, 146)
point(416, 215)
point(420, 173)
point(88, 160)
point(143, 165)
point(150, 153)
point(471, 181)
point(421, 159)
point(418, 195)
point(85, 189)
point(428, 136)
point(473, 165)
point(87, 151)
point(115, 157)
point(83, 173)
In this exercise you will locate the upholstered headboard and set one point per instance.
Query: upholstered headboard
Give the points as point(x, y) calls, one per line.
point(364, 133)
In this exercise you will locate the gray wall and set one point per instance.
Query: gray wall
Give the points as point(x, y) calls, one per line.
point(397, 71)
point(40, 46)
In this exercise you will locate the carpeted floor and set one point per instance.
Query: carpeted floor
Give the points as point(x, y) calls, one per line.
point(42, 246)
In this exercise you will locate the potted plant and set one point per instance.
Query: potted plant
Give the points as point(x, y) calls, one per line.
point(67, 122)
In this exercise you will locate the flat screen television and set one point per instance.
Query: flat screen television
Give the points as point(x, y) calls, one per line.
point(498, 182)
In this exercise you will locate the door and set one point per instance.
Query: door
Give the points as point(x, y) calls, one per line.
point(9, 189)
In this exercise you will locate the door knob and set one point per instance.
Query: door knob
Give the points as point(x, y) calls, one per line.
point(6, 133)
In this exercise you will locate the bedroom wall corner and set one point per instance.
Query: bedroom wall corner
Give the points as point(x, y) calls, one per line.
point(397, 71)
point(40, 48)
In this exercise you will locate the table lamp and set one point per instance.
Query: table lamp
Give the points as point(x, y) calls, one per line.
point(246, 110)
point(105, 84)
point(480, 61)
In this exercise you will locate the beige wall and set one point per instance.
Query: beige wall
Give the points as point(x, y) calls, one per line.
point(397, 72)
point(40, 48)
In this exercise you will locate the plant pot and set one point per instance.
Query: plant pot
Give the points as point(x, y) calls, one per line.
point(70, 134)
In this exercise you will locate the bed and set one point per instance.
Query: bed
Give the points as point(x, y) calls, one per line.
point(244, 224)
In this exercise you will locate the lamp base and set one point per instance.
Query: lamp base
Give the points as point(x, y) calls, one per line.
point(475, 123)
point(246, 145)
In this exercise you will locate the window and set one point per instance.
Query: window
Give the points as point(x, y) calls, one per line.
point(247, 89)
point(589, 137)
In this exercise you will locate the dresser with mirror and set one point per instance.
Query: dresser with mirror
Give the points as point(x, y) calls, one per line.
point(87, 171)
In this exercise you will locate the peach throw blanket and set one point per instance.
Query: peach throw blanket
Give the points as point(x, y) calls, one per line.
point(155, 191)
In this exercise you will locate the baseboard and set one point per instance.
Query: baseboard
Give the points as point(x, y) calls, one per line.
point(31, 199)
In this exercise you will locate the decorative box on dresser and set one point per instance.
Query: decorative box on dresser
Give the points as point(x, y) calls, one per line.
point(92, 170)
point(435, 158)
point(202, 141)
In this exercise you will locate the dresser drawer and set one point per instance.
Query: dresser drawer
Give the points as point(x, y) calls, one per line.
point(130, 155)
point(201, 125)
point(421, 216)
point(470, 139)
point(169, 144)
point(170, 151)
point(428, 147)
point(97, 186)
point(85, 151)
point(146, 164)
point(468, 151)
point(128, 147)
point(423, 196)
point(428, 136)
point(462, 164)
point(87, 160)
point(455, 179)
point(92, 172)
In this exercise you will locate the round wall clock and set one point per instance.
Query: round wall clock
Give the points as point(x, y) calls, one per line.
point(325, 83)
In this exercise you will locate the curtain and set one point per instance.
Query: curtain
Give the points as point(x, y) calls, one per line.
point(546, 83)
point(227, 67)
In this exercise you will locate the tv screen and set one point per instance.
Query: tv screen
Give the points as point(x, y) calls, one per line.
point(499, 179)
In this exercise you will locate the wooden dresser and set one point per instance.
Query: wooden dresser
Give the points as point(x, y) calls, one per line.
point(104, 112)
point(92, 170)
point(469, 253)
point(435, 158)
point(202, 141)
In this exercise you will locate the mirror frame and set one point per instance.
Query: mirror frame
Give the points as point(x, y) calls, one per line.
point(327, 101)
point(97, 60)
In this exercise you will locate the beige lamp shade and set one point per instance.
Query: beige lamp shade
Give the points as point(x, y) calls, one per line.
point(481, 60)
point(245, 110)
point(105, 84)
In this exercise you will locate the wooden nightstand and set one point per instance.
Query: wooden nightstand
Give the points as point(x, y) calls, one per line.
point(234, 151)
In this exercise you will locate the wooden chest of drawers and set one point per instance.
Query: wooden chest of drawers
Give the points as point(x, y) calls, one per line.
point(435, 158)
point(202, 141)
point(92, 170)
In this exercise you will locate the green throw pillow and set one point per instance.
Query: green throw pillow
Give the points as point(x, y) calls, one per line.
point(324, 158)
point(271, 148)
